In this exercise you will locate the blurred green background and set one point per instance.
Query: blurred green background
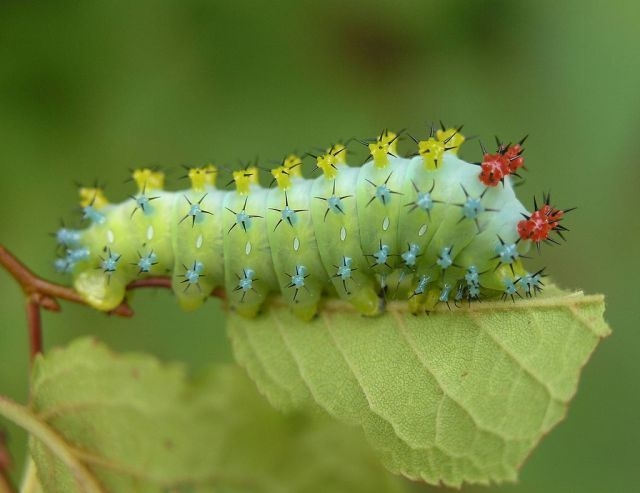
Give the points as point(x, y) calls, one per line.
point(89, 89)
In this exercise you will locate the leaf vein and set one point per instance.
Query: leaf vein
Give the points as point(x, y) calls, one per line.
point(515, 359)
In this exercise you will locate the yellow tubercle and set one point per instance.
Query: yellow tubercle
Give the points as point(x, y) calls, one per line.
point(293, 165)
point(431, 151)
point(245, 178)
point(384, 146)
point(328, 164)
point(210, 174)
point(391, 139)
point(282, 176)
point(148, 179)
point(203, 177)
point(379, 154)
point(339, 153)
point(91, 196)
point(451, 138)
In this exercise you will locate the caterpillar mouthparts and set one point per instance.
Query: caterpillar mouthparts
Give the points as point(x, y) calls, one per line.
point(427, 229)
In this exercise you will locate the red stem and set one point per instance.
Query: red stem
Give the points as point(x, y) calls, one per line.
point(34, 322)
point(5, 464)
point(41, 293)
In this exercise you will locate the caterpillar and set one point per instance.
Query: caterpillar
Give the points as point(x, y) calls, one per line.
point(428, 228)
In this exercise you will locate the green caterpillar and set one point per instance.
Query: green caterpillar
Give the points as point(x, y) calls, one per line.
point(427, 229)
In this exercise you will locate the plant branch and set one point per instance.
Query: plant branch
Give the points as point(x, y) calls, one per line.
point(34, 322)
point(5, 485)
point(41, 293)
point(5, 464)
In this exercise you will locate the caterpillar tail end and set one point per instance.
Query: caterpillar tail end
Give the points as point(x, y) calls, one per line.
point(99, 291)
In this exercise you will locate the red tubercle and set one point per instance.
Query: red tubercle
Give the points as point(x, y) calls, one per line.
point(541, 223)
point(494, 168)
point(514, 154)
point(506, 161)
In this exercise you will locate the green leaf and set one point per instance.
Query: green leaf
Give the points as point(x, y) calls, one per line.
point(102, 422)
point(457, 396)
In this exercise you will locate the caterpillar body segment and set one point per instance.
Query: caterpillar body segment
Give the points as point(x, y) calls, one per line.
point(196, 239)
point(289, 224)
point(339, 240)
point(427, 229)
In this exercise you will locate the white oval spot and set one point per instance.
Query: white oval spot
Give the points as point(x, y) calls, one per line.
point(247, 248)
point(385, 223)
point(150, 232)
point(296, 244)
point(110, 236)
point(343, 233)
point(199, 241)
point(422, 230)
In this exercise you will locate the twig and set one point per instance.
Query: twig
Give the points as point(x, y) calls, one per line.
point(41, 293)
point(5, 464)
point(34, 323)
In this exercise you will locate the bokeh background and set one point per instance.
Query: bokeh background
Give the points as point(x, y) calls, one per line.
point(90, 89)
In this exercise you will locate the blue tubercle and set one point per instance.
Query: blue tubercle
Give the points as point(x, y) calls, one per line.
point(192, 275)
point(411, 254)
point(289, 215)
point(344, 271)
point(444, 259)
point(335, 204)
point(68, 237)
point(510, 288)
point(444, 294)
point(382, 255)
point(422, 285)
point(245, 283)
point(92, 214)
point(110, 263)
point(383, 194)
point(297, 280)
point(531, 283)
point(144, 204)
point(507, 253)
point(472, 208)
point(424, 201)
point(472, 278)
point(195, 211)
point(62, 265)
point(243, 219)
point(147, 262)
